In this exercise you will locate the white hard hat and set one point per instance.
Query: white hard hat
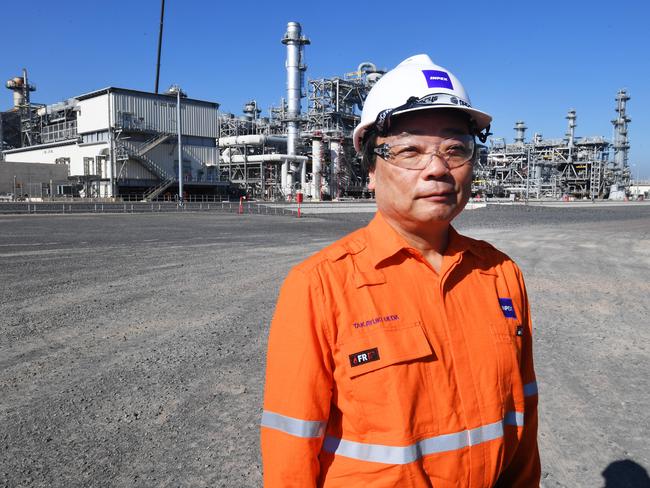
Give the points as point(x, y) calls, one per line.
point(416, 84)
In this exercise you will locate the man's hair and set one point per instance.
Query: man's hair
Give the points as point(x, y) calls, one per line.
point(368, 144)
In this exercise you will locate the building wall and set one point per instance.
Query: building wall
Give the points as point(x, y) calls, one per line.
point(158, 113)
point(135, 171)
point(142, 113)
point(93, 114)
point(168, 154)
point(165, 155)
point(30, 176)
point(74, 152)
point(49, 155)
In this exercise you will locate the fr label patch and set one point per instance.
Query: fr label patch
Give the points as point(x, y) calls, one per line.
point(507, 308)
point(363, 357)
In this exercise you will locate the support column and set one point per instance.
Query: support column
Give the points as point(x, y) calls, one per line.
point(316, 166)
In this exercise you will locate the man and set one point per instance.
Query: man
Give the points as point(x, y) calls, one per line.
point(401, 355)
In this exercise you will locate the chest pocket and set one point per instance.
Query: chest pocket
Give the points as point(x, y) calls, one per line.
point(387, 376)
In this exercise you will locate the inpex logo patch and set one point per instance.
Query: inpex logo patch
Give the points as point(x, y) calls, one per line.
point(507, 308)
point(363, 357)
point(437, 79)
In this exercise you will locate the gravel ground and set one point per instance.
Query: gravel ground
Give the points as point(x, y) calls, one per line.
point(132, 346)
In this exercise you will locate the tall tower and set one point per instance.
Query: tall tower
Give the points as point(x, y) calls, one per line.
point(295, 42)
point(22, 88)
point(571, 132)
point(520, 132)
point(621, 142)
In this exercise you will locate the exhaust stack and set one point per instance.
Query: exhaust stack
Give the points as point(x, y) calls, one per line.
point(294, 40)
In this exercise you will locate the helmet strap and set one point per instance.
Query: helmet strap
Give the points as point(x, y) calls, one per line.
point(481, 134)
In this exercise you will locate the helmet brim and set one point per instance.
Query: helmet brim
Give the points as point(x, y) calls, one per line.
point(481, 119)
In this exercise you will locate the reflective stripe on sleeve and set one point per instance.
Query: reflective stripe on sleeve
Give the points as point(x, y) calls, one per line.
point(293, 426)
point(530, 389)
point(378, 453)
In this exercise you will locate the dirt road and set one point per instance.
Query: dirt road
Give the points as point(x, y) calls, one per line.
point(132, 346)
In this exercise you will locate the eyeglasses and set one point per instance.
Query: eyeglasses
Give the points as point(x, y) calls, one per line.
point(455, 151)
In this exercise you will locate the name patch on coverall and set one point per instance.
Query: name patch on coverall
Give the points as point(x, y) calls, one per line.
point(363, 357)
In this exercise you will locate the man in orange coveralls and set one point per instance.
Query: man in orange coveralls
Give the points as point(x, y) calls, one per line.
point(401, 355)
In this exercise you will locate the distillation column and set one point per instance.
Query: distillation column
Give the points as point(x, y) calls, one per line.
point(571, 132)
point(621, 142)
point(294, 40)
point(520, 132)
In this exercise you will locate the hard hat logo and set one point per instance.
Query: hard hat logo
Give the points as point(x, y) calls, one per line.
point(437, 79)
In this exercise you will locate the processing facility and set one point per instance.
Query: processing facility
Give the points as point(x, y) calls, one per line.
point(115, 142)
point(579, 167)
point(127, 144)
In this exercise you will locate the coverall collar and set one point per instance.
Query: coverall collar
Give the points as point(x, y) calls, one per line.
point(384, 241)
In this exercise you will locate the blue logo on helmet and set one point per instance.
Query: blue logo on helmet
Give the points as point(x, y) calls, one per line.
point(437, 79)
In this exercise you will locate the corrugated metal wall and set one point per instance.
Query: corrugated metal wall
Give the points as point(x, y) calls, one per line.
point(208, 155)
point(149, 112)
point(166, 156)
point(134, 170)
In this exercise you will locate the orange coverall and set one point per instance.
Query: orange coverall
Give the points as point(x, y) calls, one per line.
point(383, 373)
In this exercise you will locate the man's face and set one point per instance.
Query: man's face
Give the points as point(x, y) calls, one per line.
point(419, 199)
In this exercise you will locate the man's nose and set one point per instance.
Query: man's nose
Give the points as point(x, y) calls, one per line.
point(436, 167)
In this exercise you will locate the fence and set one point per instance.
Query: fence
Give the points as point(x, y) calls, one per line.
point(141, 207)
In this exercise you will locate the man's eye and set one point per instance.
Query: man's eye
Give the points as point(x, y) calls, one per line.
point(456, 149)
point(405, 152)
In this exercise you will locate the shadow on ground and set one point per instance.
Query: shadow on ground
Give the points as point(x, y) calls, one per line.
point(626, 474)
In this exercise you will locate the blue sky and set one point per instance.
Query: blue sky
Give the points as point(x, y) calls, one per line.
point(518, 60)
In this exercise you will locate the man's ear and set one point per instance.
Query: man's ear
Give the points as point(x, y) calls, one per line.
point(371, 180)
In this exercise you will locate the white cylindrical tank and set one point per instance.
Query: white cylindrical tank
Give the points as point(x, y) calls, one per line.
point(373, 78)
point(252, 140)
point(316, 167)
point(16, 86)
point(336, 153)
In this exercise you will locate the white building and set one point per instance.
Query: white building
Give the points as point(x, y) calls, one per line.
point(118, 141)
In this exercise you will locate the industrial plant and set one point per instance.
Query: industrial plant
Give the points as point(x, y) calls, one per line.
point(124, 144)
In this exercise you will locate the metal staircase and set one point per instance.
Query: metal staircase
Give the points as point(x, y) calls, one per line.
point(155, 192)
point(127, 150)
point(153, 142)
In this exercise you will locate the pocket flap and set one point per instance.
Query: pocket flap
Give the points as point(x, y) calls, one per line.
point(369, 278)
point(384, 347)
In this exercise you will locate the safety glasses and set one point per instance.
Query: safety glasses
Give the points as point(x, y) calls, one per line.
point(412, 154)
